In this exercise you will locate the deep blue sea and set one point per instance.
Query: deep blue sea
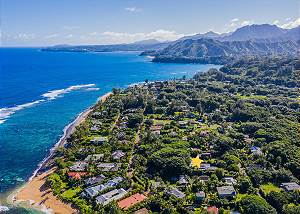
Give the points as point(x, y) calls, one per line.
point(42, 92)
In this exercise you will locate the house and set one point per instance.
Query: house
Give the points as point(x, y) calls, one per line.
point(200, 196)
point(96, 114)
point(211, 169)
point(132, 200)
point(173, 134)
point(156, 128)
point(204, 178)
point(230, 181)
point(111, 196)
point(91, 192)
point(94, 180)
point(204, 166)
point(183, 124)
point(79, 166)
point(99, 140)
point(95, 190)
point(183, 180)
point(226, 191)
point(141, 211)
point(256, 150)
point(109, 167)
point(212, 210)
point(177, 193)
point(155, 184)
point(121, 135)
point(76, 175)
point(94, 128)
point(115, 181)
point(94, 158)
point(204, 133)
point(206, 155)
point(292, 186)
point(117, 155)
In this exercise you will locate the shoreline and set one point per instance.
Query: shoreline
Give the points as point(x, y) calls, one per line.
point(31, 194)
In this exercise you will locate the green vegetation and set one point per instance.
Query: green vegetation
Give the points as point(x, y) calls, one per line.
point(241, 121)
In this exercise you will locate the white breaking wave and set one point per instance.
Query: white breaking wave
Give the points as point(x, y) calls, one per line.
point(56, 93)
point(3, 208)
point(5, 113)
point(92, 89)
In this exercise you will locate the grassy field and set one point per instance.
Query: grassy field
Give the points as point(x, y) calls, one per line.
point(267, 188)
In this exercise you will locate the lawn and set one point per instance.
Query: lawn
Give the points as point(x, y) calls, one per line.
point(70, 193)
point(267, 188)
point(252, 96)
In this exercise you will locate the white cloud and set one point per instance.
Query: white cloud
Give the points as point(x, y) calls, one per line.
point(71, 27)
point(275, 22)
point(120, 37)
point(24, 36)
point(69, 36)
point(236, 23)
point(92, 34)
point(51, 36)
point(246, 22)
point(132, 9)
point(291, 24)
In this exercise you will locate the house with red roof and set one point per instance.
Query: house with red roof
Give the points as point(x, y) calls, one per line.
point(76, 175)
point(213, 210)
point(132, 200)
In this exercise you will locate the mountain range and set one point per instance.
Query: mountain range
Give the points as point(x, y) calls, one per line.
point(210, 47)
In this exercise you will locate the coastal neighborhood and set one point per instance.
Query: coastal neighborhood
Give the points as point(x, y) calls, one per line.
point(177, 147)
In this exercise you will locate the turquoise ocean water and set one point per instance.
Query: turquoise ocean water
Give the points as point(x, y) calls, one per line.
point(42, 92)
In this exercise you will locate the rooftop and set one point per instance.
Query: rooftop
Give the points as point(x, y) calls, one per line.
point(291, 186)
point(111, 196)
point(226, 191)
point(177, 193)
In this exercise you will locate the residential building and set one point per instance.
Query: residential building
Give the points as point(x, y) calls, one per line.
point(111, 196)
point(256, 150)
point(95, 190)
point(109, 167)
point(79, 166)
point(94, 158)
point(291, 186)
point(117, 155)
point(226, 191)
point(230, 181)
point(200, 196)
point(76, 175)
point(94, 180)
point(177, 193)
point(99, 140)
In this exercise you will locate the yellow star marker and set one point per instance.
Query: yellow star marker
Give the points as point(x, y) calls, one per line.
point(196, 162)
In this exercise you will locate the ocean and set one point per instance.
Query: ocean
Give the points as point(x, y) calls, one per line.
point(42, 92)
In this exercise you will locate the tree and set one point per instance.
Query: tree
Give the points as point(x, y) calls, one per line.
point(253, 204)
point(134, 120)
point(245, 185)
point(278, 200)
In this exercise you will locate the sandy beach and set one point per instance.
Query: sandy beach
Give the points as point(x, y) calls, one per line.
point(34, 193)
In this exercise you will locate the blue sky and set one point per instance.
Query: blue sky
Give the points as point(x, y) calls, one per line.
point(48, 22)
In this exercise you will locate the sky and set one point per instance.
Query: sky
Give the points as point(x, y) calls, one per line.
point(50, 22)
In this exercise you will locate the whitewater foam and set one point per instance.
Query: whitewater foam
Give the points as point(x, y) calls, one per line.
point(5, 113)
point(4, 209)
point(56, 93)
